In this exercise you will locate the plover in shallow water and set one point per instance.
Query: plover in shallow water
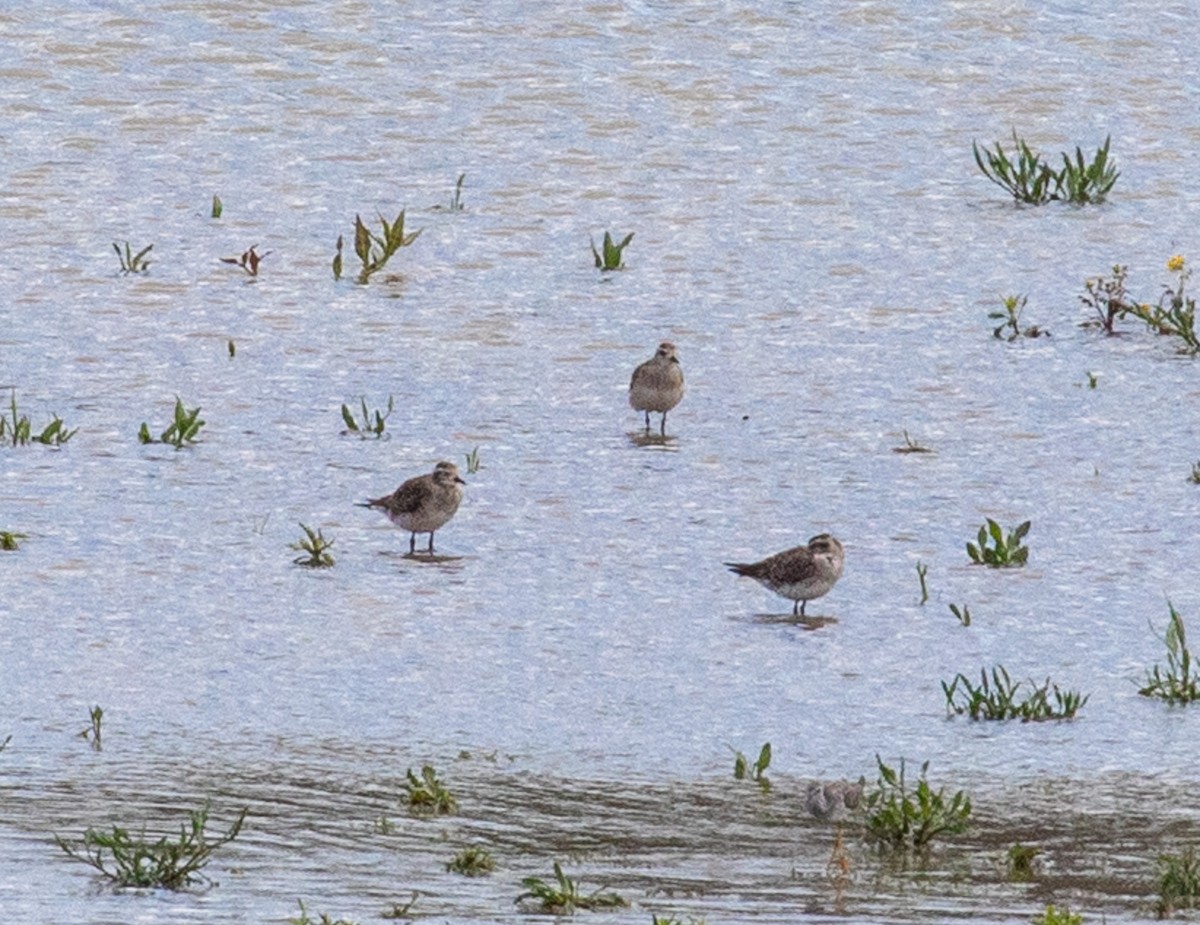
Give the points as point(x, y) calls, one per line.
point(799, 574)
point(424, 503)
point(657, 385)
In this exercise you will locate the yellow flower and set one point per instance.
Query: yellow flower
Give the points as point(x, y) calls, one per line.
point(1175, 264)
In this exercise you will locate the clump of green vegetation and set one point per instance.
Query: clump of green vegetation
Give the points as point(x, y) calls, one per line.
point(182, 430)
point(1174, 315)
point(135, 861)
point(1179, 683)
point(902, 820)
point(427, 794)
point(609, 256)
point(92, 732)
point(303, 918)
point(372, 424)
point(922, 571)
point(1020, 861)
point(997, 699)
point(17, 429)
point(757, 772)
point(911, 446)
point(131, 262)
point(315, 548)
point(1057, 915)
point(249, 260)
point(1031, 180)
point(9, 541)
point(962, 613)
point(1195, 476)
point(217, 207)
point(1006, 551)
point(1010, 320)
point(1178, 882)
point(472, 861)
point(374, 250)
point(563, 896)
point(674, 920)
point(473, 461)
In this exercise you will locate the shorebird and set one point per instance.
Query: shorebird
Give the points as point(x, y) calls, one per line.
point(799, 574)
point(424, 503)
point(833, 801)
point(657, 385)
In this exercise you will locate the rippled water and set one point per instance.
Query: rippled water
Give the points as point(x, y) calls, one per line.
point(812, 232)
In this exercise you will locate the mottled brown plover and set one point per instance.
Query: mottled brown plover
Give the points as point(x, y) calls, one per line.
point(657, 385)
point(424, 503)
point(800, 574)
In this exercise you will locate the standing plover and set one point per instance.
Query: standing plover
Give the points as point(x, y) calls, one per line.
point(657, 385)
point(423, 503)
point(799, 574)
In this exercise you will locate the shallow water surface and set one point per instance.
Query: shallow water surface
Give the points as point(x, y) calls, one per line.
point(810, 230)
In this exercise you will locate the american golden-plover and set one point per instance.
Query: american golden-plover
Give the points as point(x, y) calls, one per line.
point(799, 574)
point(424, 503)
point(657, 385)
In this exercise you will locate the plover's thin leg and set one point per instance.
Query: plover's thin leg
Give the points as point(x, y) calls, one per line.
point(412, 544)
point(663, 429)
point(431, 541)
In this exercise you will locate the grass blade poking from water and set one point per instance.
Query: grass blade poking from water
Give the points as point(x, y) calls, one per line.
point(756, 772)
point(92, 733)
point(456, 201)
point(17, 429)
point(374, 250)
point(473, 461)
point(1179, 683)
point(131, 262)
point(997, 698)
point(182, 430)
point(136, 861)
point(1010, 320)
point(303, 918)
point(900, 819)
point(563, 896)
point(609, 256)
point(372, 424)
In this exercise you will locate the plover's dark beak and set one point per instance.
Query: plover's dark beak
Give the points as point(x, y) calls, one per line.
point(459, 479)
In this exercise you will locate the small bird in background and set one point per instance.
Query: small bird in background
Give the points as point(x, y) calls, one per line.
point(799, 574)
point(657, 385)
point(424, 503)
point(833, 801)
